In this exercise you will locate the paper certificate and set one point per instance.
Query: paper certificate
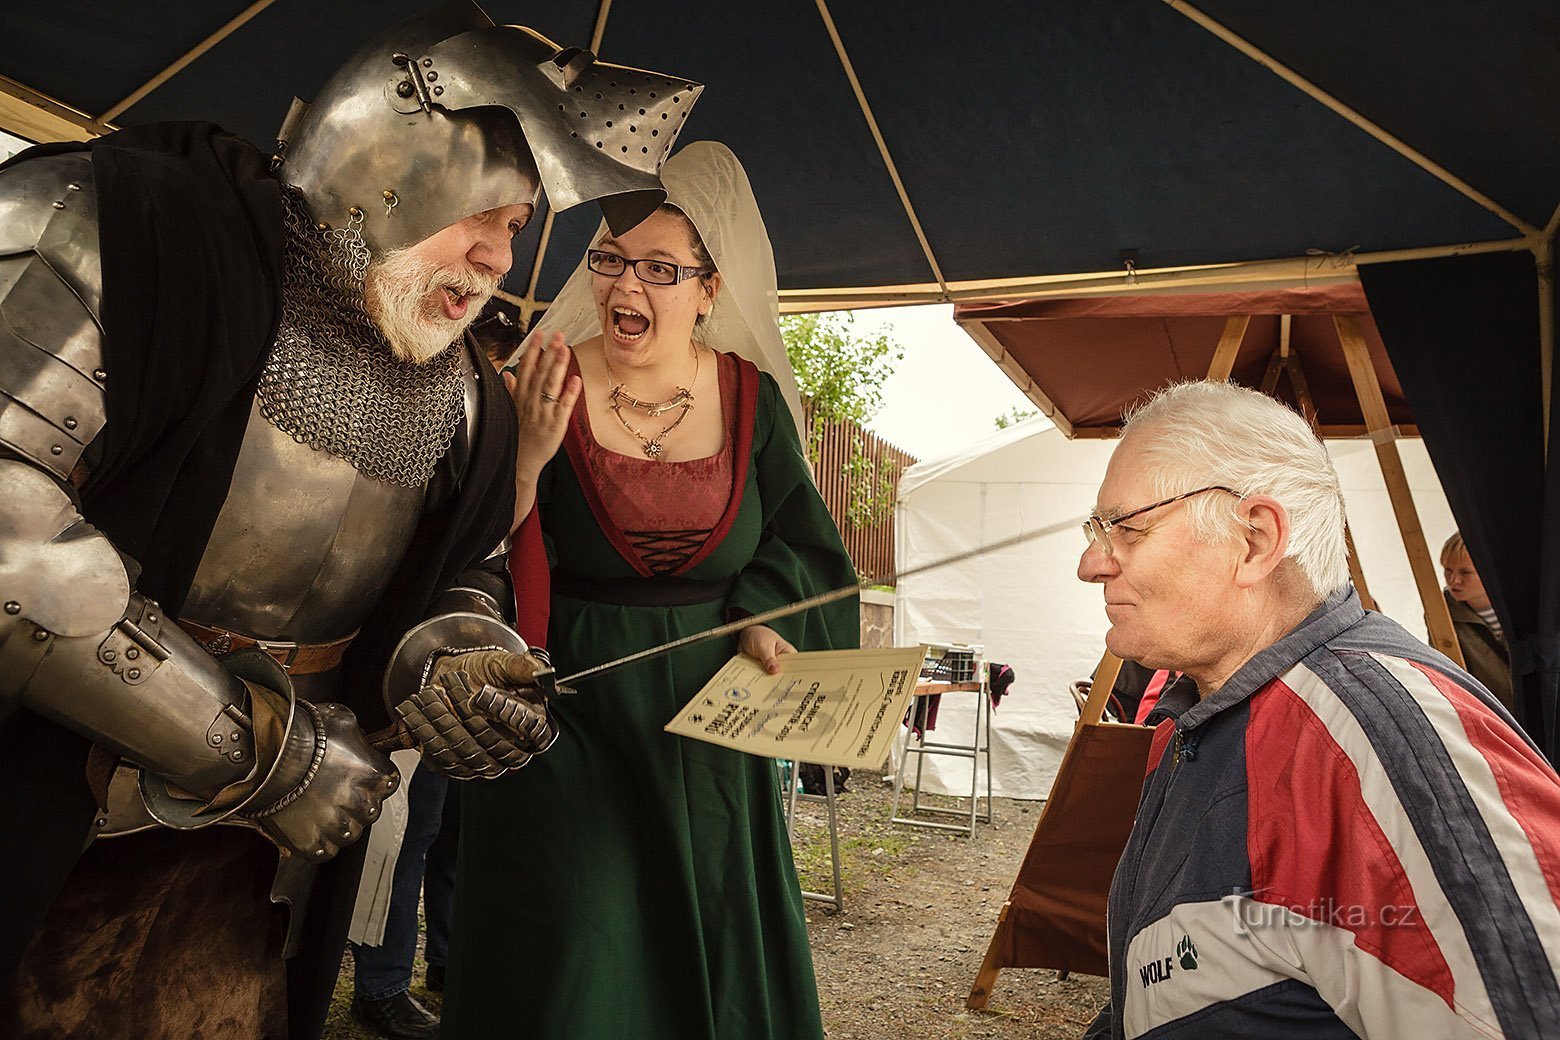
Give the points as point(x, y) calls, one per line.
point(833, 707)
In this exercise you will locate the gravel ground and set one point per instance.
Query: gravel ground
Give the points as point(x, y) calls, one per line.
point(920, 906)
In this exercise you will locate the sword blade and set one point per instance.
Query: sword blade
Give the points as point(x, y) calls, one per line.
point(819, 600)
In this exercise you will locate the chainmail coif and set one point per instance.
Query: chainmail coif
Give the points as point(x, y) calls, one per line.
point(332, 382)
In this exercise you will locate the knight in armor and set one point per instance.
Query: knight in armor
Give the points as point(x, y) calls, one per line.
point(255, 483)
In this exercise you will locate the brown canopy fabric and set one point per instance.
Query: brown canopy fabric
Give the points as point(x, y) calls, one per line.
point(1084, 359)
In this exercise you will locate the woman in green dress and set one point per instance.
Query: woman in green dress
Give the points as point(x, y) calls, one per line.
point(631, 884)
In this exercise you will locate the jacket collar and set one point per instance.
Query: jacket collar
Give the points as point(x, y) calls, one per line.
point(1337, 613)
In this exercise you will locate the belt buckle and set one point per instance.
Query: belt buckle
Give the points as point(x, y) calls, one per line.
point(284, 654)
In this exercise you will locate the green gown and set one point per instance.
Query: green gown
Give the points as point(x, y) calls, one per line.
point(629, 884)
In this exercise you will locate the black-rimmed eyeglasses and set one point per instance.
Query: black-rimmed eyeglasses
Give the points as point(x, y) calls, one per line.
point(651, 272)
point(1097, 528)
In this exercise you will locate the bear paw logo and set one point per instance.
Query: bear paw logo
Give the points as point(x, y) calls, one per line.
point(1186, 951)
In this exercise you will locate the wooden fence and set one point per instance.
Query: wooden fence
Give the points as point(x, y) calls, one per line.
point(858, 475)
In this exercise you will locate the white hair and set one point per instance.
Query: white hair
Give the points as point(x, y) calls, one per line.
point(397, 291)
point(1195, 434)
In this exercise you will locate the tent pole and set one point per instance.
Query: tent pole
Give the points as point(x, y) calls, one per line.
point(528, 304)
point(1397, 144)
point(1374, 407)
point(1544, 259)
point(177, 67)
point(1296, 271)
point(1229, 346)
point(882, 145)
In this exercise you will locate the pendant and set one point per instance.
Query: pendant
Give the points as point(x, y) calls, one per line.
point(653, 449)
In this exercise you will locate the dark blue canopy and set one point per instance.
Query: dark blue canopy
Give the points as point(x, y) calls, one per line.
point(1039, 137)
point(1031, 136)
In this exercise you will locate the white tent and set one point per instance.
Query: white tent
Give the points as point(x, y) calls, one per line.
point(1028, 608)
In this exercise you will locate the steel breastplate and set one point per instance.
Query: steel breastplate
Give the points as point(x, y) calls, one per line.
point(305, 544)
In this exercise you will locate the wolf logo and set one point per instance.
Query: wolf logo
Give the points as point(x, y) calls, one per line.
point(1186, 951)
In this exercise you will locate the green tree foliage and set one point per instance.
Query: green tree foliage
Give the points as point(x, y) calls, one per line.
point(841, 371)
point(1014, 416)
point(843, 374)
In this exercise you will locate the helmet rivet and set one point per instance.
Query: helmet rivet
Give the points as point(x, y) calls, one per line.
point(57, 449)
point(71, 422)
point(431, 75)
point(13, 607)
point(427, 63)
point(436, 90)
point(59, 205)
point(40, 636)
point(405, 88)
point(134, 673)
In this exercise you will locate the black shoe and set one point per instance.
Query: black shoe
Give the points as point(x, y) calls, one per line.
point(433, 978)
point(399, 1017)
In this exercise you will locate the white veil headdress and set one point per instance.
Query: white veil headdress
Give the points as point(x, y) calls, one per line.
point(708, 184)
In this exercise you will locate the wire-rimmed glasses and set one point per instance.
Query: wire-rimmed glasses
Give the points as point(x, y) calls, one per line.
point(1097, 528)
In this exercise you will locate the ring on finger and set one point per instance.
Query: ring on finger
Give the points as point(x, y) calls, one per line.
point(549, 397)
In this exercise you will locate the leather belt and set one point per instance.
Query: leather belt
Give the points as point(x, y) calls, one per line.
point(295, 658)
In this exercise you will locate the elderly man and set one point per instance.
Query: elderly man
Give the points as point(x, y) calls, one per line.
point(1342, 833)
point(249, 466)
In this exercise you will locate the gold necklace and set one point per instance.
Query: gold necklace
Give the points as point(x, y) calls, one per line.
point(620, 396)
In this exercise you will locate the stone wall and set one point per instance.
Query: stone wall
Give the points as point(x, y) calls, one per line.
point(877, 618)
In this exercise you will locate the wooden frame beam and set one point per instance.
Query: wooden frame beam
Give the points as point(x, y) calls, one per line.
point(1298, 272)
point(1009, 365)
point(34, 116)
point(1284, 363)
point(1224, 354)
point(1357, 353)
point(1392, 141)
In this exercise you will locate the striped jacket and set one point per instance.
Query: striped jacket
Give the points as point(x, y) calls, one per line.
point(1351, 837)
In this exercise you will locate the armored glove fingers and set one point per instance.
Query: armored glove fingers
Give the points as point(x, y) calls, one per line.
point(500, 668)
point(326, 787)
point(454, 735)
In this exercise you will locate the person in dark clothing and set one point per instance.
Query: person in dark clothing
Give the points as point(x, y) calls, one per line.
point(1479, 632)
point(256, 483)
point(425, 867)
point(1341, 833)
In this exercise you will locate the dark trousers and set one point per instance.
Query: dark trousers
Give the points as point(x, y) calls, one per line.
point(426, 866)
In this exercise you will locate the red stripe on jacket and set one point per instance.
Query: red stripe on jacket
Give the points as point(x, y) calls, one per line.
point(1514, 764)
point(1315, 846)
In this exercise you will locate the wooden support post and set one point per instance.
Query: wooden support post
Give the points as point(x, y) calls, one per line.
point(1093, 710)
point(1276, 367)
point(1374, 407)
point(986, 978)
point(1356, 572)
point(1229, 346)
point(1099, 690)
point(1302, 391)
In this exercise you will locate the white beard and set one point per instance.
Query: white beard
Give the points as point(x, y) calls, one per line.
point(404, 296)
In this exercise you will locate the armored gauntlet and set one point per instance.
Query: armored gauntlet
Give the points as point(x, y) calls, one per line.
point(469, 692)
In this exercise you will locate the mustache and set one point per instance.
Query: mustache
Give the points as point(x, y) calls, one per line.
point(467, 281)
